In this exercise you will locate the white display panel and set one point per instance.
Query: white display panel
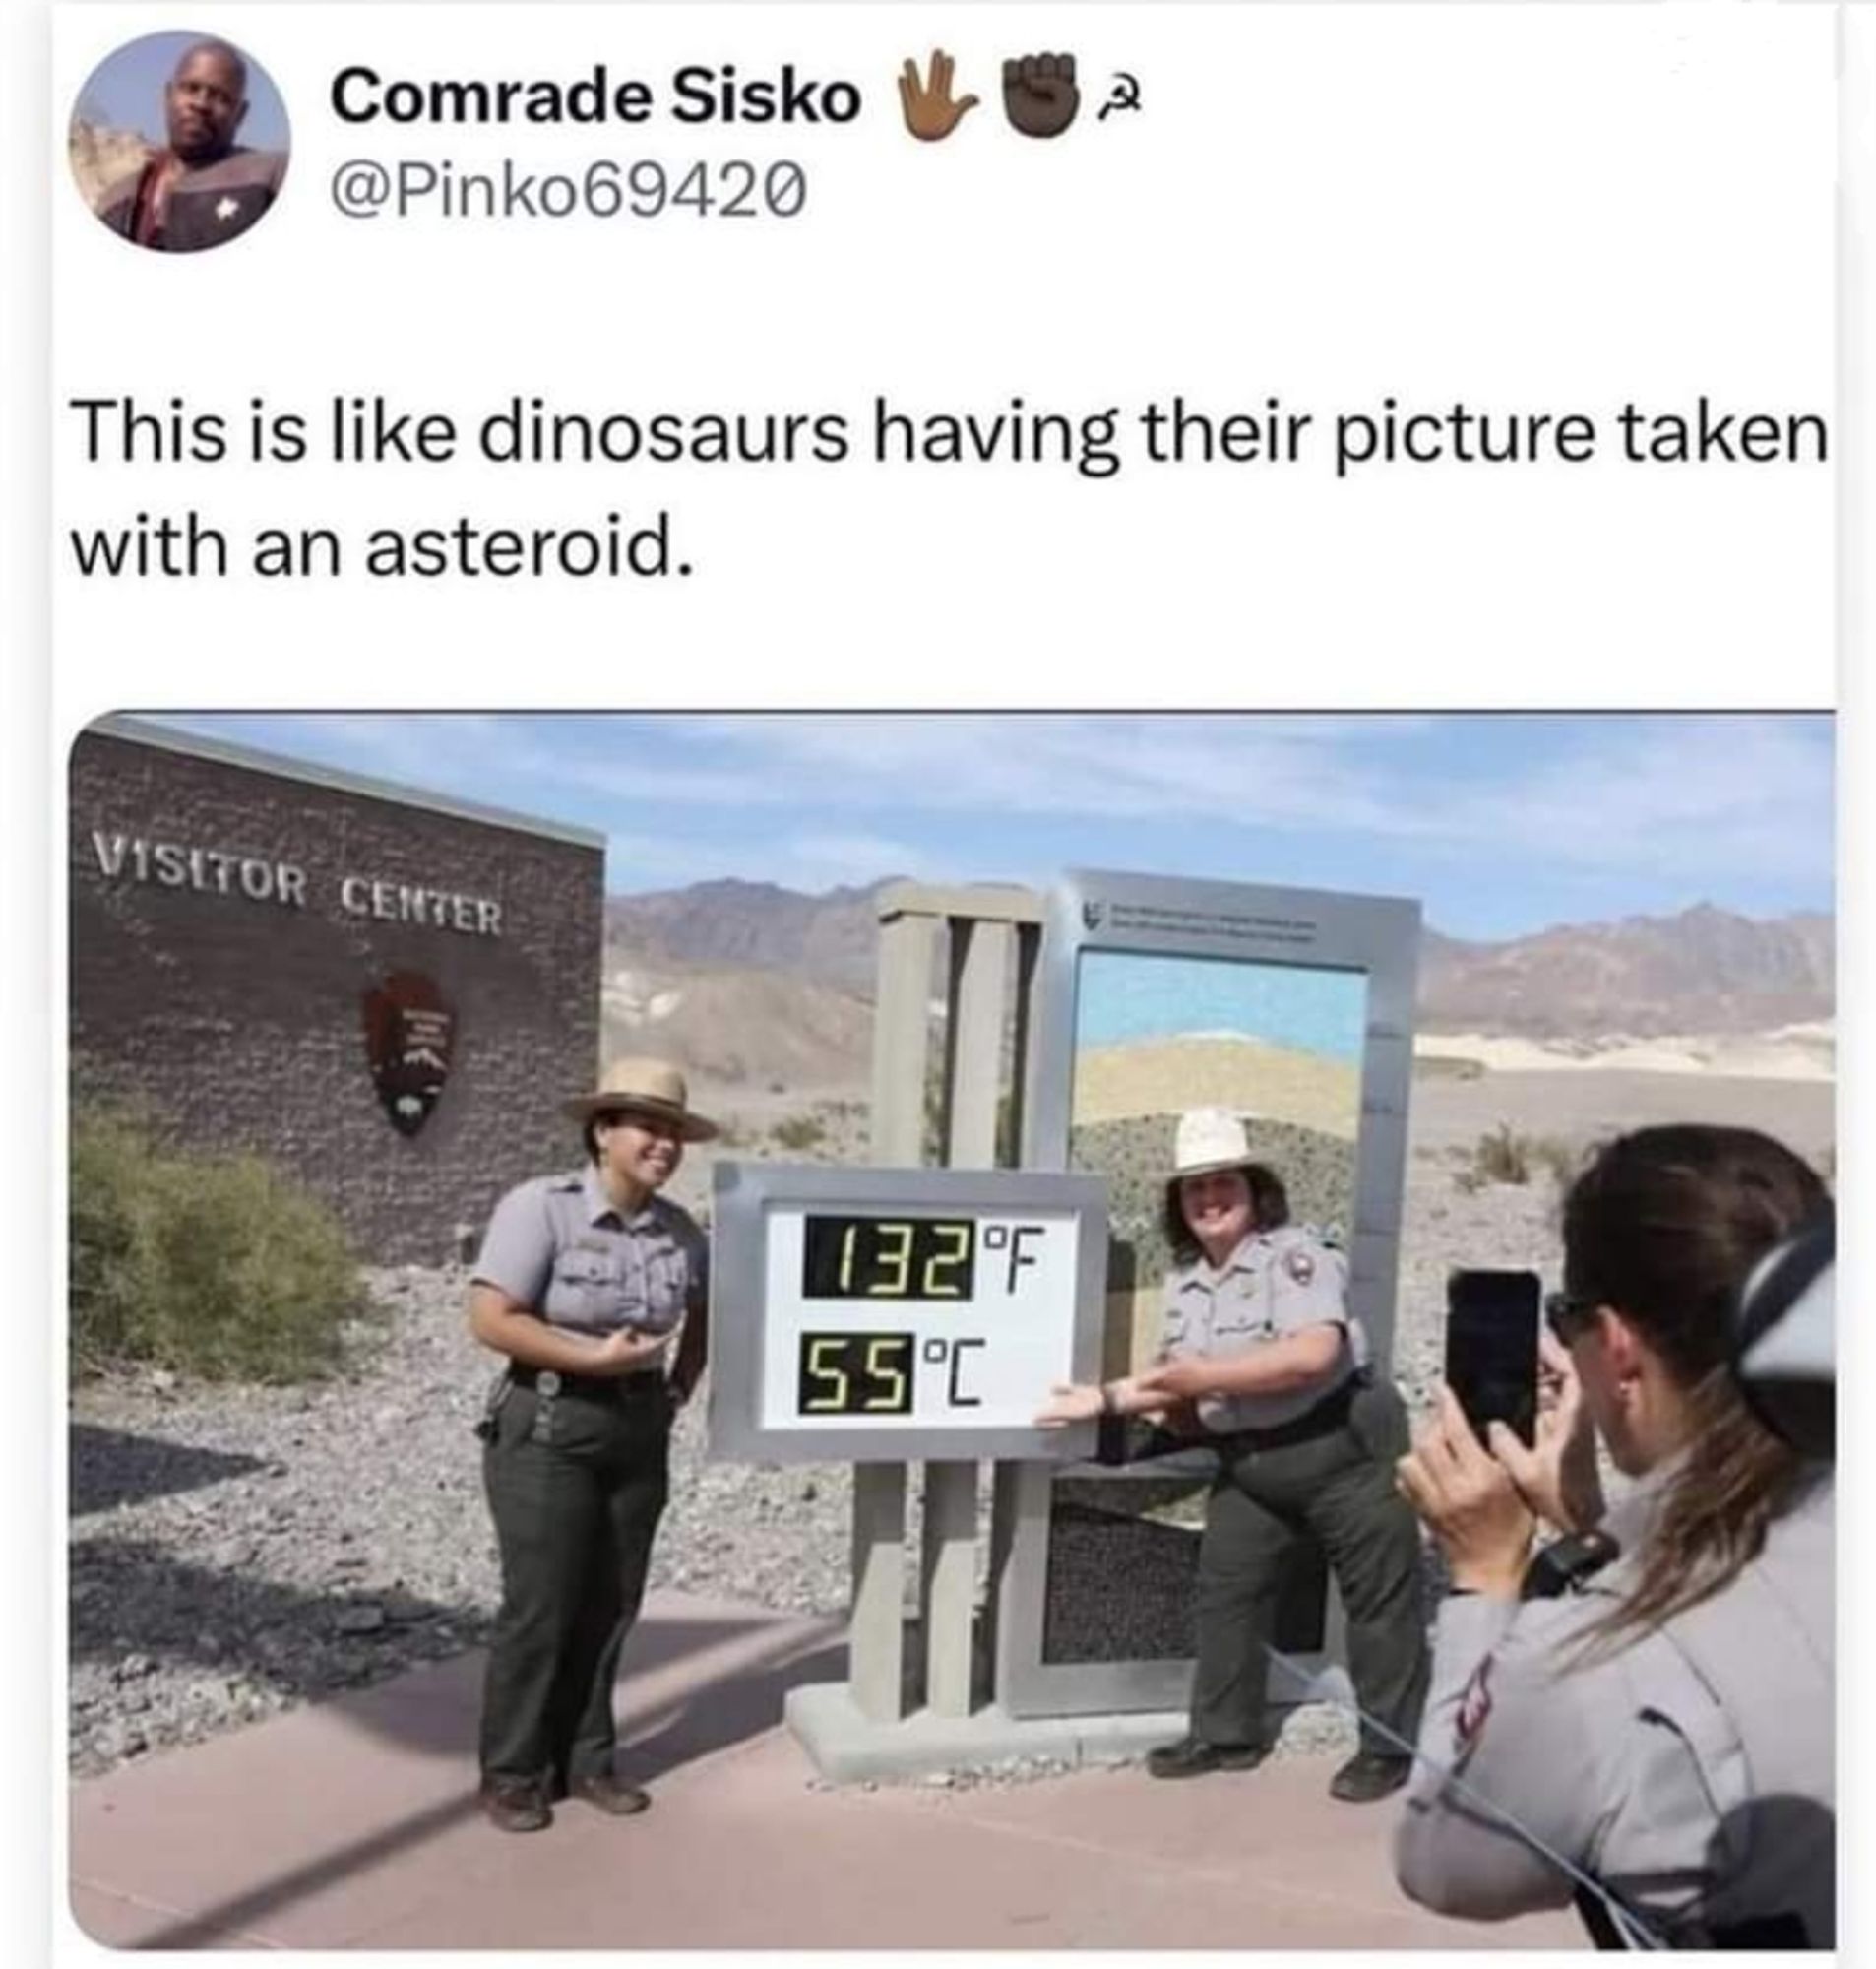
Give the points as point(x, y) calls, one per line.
point(901, 1315)
point(919, 1317)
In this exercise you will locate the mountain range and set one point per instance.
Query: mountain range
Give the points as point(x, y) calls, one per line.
point(749, 982)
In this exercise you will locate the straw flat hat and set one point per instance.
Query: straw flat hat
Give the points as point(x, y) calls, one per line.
point(645, 1087)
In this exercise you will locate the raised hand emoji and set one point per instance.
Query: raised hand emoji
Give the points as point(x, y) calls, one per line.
point(929, 110)
point(1039, 96)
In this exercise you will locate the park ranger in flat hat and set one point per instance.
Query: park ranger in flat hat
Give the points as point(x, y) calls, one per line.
point(594, 1285)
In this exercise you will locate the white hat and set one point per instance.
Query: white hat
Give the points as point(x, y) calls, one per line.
point(1210, 1139)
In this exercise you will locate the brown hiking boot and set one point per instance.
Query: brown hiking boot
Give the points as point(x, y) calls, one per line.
point(516, 1805)
point(609, 1794)
point(1369, 1775)
point(1194, 1758)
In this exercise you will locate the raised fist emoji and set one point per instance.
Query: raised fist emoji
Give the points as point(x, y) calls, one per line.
point(929, 110)
point(1039, 96)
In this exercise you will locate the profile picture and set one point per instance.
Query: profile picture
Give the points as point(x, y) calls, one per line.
point(179, 142)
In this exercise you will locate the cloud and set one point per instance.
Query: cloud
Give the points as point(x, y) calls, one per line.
point(1710, 804)
point(1275, 771)
point(1710, 800)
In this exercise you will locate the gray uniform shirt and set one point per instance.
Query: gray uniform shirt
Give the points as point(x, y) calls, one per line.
point(560, 1245)
point(1276, 1282)
point(1692, 1773)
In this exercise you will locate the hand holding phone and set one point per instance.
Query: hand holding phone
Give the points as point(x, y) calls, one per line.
point(1492, 1323)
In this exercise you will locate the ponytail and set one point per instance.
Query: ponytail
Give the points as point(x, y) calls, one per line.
point(1664, 1226)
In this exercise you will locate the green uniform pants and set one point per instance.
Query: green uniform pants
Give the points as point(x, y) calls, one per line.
point(576, 1485)
point(1340, 1487)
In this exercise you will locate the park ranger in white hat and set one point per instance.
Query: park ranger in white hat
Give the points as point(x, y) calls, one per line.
point(1261, 1352)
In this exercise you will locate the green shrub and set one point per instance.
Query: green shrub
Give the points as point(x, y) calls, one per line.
point(799, 1133)
point(215, 1267)
point(1006, 1146)
point(1559, 1158)
point(1502, 1157)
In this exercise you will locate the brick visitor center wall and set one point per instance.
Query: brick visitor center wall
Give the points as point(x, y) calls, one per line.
point(226, 921)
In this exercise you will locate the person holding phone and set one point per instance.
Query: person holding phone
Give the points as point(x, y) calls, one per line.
point(1262, 1360)
point(1657, 1738)
point(586, 1282)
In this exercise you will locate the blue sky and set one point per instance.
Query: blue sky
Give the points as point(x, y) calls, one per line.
point(125, 90)
point(1124, 996)
point(1500, 823)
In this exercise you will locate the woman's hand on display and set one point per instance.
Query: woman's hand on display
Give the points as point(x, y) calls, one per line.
point(1558, 1476)
point(1170, 1383)
point(629, 1352)
point(1070, 1402)
point(1467, 1498)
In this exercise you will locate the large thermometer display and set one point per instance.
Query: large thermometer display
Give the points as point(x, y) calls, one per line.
point(899, 1314)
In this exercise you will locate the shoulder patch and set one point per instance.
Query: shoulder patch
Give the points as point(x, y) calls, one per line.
point(1474, 1705)
point(1300, 1265)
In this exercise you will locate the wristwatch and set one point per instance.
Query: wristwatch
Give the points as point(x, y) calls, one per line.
point(1562, 1566)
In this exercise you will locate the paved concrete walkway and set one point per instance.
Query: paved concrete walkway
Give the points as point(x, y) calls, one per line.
point(352, 1824)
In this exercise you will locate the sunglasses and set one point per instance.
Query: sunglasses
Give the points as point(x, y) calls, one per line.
point(1569, 1314)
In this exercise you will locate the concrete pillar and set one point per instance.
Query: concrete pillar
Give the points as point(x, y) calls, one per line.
point(1007, 1492)
point(876, 1637)
point(876, 1643)
point(979, 977)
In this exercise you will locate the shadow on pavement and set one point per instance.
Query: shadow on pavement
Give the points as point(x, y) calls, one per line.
point(742, 1702)
point(109, 1468)
point(746, 1704)
point(133, 1597)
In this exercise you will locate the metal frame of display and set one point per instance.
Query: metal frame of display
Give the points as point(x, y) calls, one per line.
point(1092, 911)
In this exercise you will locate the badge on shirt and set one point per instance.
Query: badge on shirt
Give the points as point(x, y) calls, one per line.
point(1474, 1705)
point(1301, 1266)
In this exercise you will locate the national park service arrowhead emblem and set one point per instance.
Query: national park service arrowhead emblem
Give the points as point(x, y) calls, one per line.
point(409, 1030)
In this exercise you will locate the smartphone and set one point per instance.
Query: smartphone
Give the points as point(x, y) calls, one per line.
point(1491, 1348)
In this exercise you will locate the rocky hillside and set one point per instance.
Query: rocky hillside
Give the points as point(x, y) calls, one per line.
point(750, 926)
point(739, 1027)
point(100, 156)
point(752, 985)
point(1703, 971)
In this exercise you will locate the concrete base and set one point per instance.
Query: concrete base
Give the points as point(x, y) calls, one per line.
point(848, 1747)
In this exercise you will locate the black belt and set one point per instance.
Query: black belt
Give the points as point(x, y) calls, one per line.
point(595, 1387)
point(1329, 1415)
